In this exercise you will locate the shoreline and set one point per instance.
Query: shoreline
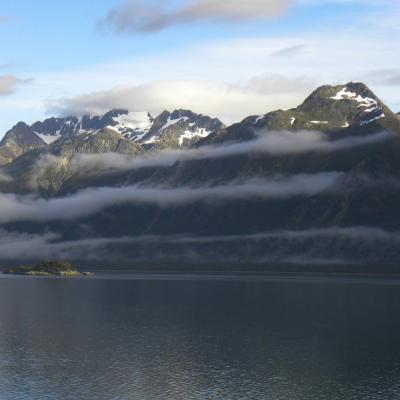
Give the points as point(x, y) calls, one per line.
point(219, 270)
point(219, 275)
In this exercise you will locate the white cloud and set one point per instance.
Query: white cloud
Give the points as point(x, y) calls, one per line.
point(229, 101)
point(91, 201)
point(155, 15)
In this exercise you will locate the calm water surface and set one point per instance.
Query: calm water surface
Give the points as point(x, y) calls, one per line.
point(156, 338)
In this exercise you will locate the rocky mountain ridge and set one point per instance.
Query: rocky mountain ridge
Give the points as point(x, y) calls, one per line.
point(178, 129)
point(337, 110)
point(316, 182)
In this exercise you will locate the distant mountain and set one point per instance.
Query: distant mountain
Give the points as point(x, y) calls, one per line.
point(179, 129)
point(351, 108)
point(317, 183)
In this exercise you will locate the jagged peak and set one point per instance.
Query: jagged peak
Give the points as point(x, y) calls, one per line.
point(19, 128)
point(20, 125)
point(53, 125)
point(180, 113)
point(22, 134)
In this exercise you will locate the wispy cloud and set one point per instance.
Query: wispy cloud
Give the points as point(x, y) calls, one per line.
point(91, 201)
point(156, 15)
point(289, 51)
point(19, 246)
point(9, 84)
point(139, 16)
point(356, 232)
point(273, 143)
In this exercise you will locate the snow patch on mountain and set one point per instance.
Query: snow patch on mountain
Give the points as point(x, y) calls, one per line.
point(367, 102)
point(201, 132)
point(133, 125)
point(171, 122)
point(134, 121)
point(259, 118)
point(344, 94)
point(49, 139)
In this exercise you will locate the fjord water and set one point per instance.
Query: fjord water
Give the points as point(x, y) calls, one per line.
point(151, 338)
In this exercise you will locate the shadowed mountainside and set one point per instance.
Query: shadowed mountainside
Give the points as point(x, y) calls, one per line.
point(318, 183)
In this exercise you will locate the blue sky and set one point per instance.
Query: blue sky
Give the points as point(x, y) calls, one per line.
point(69, 57)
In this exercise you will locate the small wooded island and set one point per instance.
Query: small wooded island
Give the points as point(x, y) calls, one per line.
point(48, 268)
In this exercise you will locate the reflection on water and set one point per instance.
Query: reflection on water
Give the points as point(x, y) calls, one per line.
point(198, 339)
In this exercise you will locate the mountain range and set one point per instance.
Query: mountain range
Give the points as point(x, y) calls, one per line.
point(179, 129)
point(317, 184)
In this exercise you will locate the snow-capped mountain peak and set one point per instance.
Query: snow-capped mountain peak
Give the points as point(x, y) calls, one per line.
point(179, 129)
point(176, 129)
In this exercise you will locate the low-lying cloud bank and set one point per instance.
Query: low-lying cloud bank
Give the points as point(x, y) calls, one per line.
point(19, 246)
point(272, 143)
point(91, 201)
